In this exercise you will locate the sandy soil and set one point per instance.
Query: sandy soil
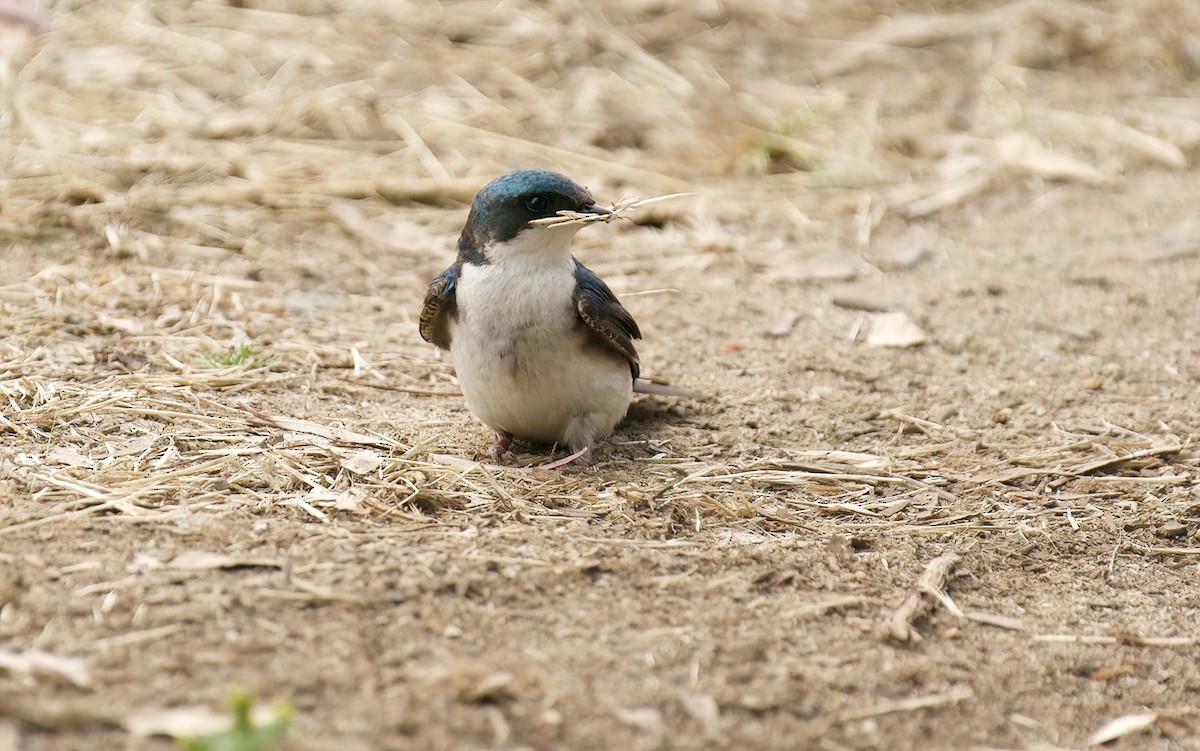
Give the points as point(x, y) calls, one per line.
point(986, 538)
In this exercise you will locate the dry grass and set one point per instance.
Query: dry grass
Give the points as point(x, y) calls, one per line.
point(619, 210)
point(151, 446)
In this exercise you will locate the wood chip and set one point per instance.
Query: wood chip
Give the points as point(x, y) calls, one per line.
point(1121, 727)
point(784, 325)
point(895, 330)
point(32, 664)
point(1021, 153)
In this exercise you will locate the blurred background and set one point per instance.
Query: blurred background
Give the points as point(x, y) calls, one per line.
point(142, 109)
point(279, 141)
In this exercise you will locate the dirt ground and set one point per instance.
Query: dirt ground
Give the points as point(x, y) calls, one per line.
point(938, 282)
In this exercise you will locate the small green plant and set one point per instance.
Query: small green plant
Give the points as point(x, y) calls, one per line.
point(779, 151)
point(789, 144)
point(239, 356)
point(243, 736)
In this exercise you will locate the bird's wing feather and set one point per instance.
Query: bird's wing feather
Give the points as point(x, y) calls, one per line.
point(441, 306)
point(600, 310)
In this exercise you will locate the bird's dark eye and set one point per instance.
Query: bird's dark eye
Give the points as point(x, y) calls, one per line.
point(537, 204)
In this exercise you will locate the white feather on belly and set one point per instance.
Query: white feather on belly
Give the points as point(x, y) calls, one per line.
point(525, 363)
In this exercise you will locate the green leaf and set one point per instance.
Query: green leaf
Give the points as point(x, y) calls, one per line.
point(243, 736)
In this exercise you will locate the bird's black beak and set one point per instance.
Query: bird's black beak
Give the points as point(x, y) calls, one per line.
point(594, 208)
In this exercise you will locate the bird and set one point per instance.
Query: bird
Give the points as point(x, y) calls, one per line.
point(542, 348)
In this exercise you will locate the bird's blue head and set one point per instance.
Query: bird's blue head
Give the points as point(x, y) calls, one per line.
point(504, 207)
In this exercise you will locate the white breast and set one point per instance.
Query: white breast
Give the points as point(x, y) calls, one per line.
point(526, 364)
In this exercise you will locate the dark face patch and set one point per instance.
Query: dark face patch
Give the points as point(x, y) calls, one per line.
point(506, 205)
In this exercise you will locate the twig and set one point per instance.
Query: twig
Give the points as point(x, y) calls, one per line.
point(929, 586)
point(1110, 461)
point(1128, 639)
point(953, 696)
point(563, 461)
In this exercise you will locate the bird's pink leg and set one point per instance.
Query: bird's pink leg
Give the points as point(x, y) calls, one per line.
point(501, 449)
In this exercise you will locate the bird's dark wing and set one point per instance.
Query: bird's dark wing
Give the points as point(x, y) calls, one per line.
point(440, 308)
point(600, 310)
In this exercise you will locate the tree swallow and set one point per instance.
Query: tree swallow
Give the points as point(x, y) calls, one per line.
point(542, 348)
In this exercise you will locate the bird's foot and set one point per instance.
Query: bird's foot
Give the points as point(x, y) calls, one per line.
point(501, 450)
